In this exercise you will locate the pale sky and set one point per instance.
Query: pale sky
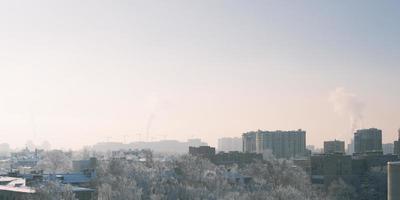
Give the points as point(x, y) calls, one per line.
point(79, 72)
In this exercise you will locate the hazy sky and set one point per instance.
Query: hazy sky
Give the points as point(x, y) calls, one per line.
point(79, 72)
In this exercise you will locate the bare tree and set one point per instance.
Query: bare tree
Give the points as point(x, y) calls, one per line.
point(280, 178)
point(339, 190)
point(54, 161)
point(53, 190)
point(188, 177)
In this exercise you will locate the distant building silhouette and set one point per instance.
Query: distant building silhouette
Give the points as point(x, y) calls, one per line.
point(283, 144)
point(396, 148)
point(82, 165)
point(202, 151)
point(165, 146)
point(350, 147)
point(235, 157)
point(334, 146)
point(195, 142)
point(222, 158)
point(227, 144)
point(368, 141)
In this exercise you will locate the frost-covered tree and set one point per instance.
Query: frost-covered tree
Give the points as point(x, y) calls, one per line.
point(116, 181)
point(339, 190)
point(188, 177)
point(53, 190)
point(278, 175)
point(55, 161)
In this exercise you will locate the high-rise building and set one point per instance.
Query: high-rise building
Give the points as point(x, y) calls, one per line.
point(230, 144)
point(249, 142)
point(368, 141)
point(282, 144)
point(334, 146)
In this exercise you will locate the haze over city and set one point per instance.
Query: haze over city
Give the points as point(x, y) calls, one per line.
point(76, 73)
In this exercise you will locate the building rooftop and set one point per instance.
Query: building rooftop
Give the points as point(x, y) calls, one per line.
point(17, 189)
point(394, 163)
point(82, 189)
point(74, 178)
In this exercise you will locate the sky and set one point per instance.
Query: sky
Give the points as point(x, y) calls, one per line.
point(79, 72)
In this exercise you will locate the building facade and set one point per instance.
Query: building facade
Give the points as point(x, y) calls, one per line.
point(326, 168)
point(350, 147)
point(235, 157)
point(396, 148)
point(334, 146)
point(282, 144)
point(368, 141)
point(202, 151)
point(230, 144)
point(393, 180)
point(388, 148)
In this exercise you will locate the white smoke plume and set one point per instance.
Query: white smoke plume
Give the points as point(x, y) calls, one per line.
point(348, 104)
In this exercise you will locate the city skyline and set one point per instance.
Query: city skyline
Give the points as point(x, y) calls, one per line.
point(76, 73)
point(46, 145)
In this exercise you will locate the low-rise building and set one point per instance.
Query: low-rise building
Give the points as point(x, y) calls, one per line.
point(235, 157)
point(305, 164)
point(81, 165)
point(334, 146)
point(203, 151)
point(326, 168)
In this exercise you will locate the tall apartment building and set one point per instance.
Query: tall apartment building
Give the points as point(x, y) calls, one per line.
point(283, 144)
point(334, 146)
point(228, 144)
point(249, 142)
point(368, 141)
